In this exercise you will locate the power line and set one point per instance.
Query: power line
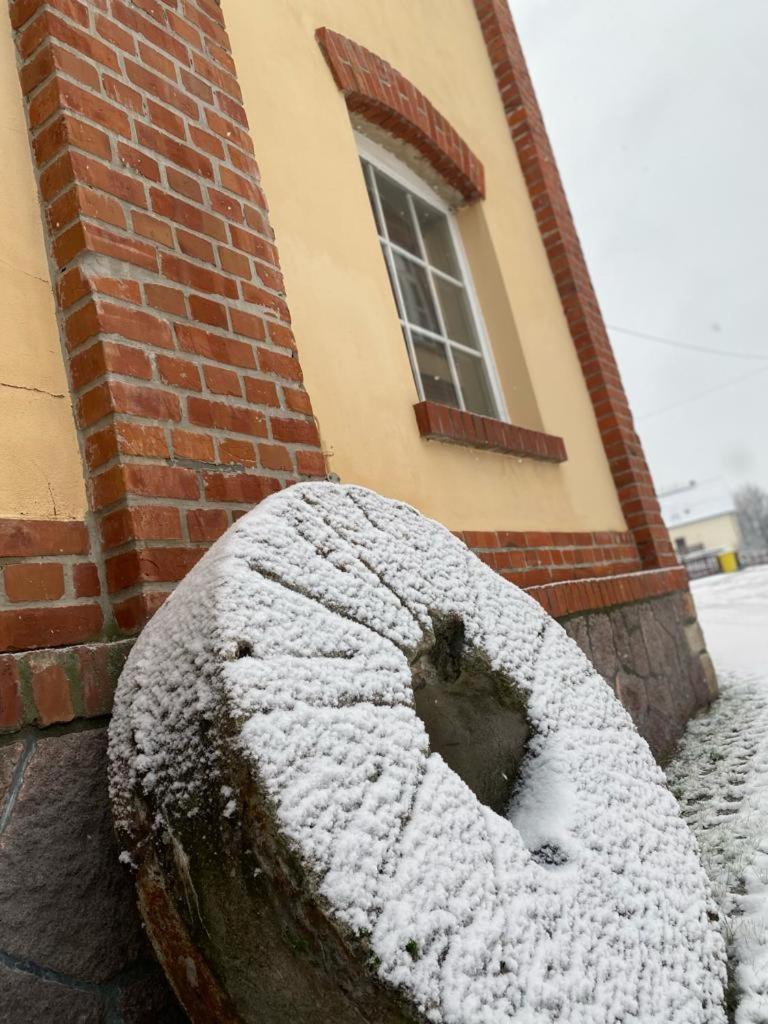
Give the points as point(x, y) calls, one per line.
point(687, 345)
point(704, 394)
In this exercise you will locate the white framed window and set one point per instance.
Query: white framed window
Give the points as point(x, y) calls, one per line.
point(436, 303)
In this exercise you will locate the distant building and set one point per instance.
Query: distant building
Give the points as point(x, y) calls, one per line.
point(701, 516)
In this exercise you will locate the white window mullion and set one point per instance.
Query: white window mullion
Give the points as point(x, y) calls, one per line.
point(439, 337)
point(455, 376)
point(399, 302)
point(423, 263)
point(413, 359)
point(436, 303)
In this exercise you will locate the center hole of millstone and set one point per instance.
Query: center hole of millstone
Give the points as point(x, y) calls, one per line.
point(475, 717)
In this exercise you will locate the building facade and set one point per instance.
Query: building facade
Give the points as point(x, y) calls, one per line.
point(701, 518)
point(248, 244)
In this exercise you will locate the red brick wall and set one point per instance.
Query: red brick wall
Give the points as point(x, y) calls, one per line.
point(186, 384)
point(452, 426)
point(57, 685)
point(564, 599)
point(622, 446)
point(534, 558)
point(50, 592)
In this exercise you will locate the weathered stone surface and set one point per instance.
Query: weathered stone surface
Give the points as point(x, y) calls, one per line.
point(602, 646)
point(11, 710)
point(702, 682)
point(148, 1000)
point(633, 694)
point(475, 720)
point(630, 644)
point(65, 902)
point(9, 758)
point(66, 905)
point(660, 652)
point(654, 655)
point(576, 628)
point(27, 998)
point(710, 675)
point(695, 637)
point(687, 606)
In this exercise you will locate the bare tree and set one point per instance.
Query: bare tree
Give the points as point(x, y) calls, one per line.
point(752, 511)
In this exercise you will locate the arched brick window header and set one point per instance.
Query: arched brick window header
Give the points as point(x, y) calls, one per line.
point(377, 92)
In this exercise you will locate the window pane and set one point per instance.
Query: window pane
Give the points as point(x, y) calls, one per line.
point(434, 370)
point(474, 383)
point(437, 238)
point(367, 172)
point(419, 307)
point(457, 316)
point(394, 203)
point(432, 299)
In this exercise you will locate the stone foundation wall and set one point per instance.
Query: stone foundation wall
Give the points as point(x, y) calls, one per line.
point(72, 947)
point(653, 655)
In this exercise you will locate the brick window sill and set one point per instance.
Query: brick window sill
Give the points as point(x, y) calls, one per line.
point(444, 423)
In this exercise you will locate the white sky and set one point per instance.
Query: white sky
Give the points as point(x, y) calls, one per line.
point(658, 114)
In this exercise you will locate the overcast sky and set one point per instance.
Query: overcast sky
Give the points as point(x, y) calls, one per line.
point(658, 115)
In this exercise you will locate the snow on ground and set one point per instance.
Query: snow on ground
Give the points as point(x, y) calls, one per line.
point(721, 776)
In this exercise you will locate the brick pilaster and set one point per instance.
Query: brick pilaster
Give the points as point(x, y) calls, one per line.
point(622, 446)
point(185, 379)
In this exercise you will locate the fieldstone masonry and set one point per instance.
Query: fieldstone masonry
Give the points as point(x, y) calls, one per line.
point(72, 948)
point(653, 655)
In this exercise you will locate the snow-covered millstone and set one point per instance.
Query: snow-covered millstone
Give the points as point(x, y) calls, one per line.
point(305, 854)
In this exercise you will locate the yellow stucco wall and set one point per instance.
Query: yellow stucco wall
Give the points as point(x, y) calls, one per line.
point(352, 352)
point(40, 466)
point(715, 532)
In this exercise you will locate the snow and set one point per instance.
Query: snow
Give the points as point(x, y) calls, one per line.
point(586, 903)
point(721, 776)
